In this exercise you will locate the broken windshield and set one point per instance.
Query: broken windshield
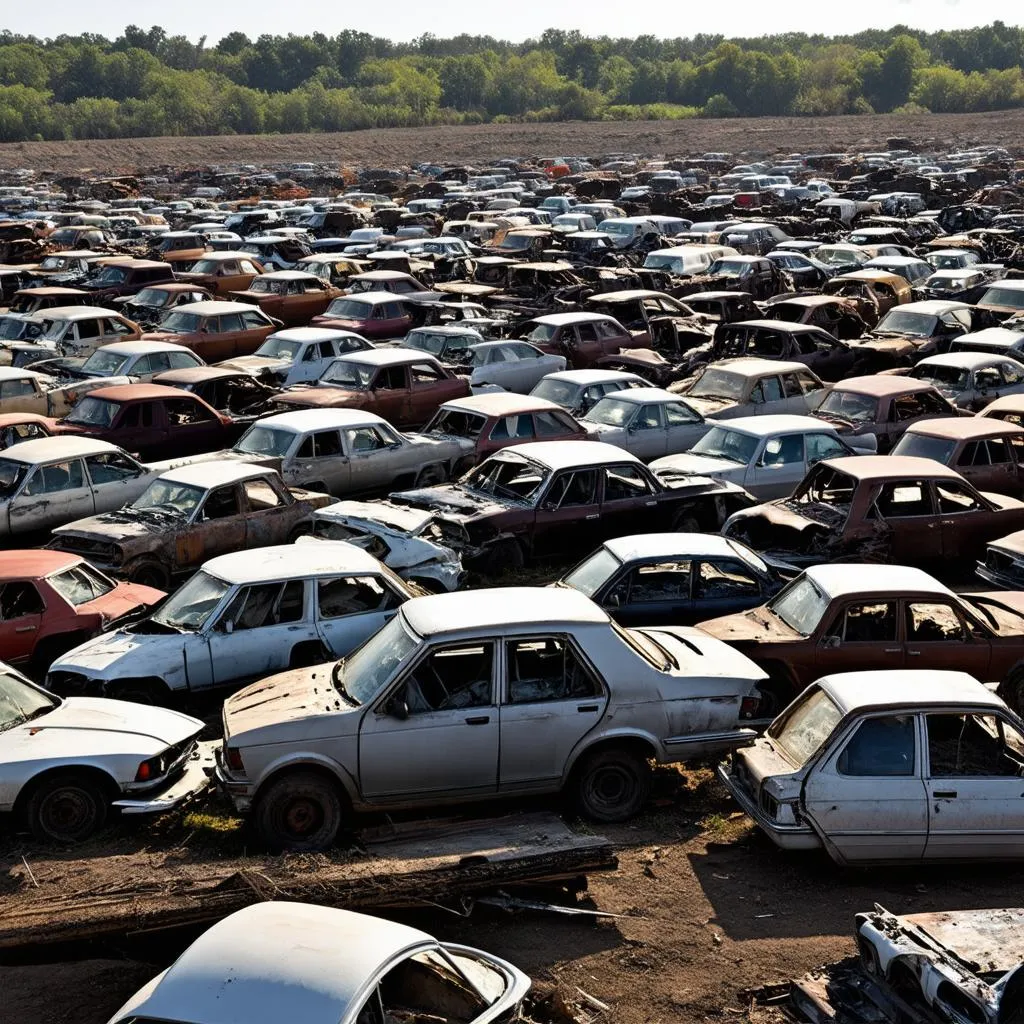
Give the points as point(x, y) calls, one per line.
point(359, 677)
point(592, 573)
point(80, 584)
point(191, 607)
point(805, 725)
point(278, 348)
point(20, 702)
point(172, 497)
point(943, 376)
point(715, 383)
point(721, 443)
point(849, 405)
point(260, 440)
point(93, 412)
point(343, 373)
point(800, 605)
point(611, 412)
point(508, 476)
point(104, 363)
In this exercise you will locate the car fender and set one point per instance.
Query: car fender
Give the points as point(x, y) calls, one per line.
point(306, 758)
point(598, 737)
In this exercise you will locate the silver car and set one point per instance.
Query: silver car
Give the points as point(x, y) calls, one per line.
point(888, 766)
point(476, 695)
point(648, 422)
point(971, 380)
point(510, 365)
point(750, 386)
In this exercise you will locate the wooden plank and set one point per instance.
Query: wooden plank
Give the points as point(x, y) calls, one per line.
point(432, 862)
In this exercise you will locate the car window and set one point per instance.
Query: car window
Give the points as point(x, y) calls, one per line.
point(61, 476)
point(449, 678)
point(823, 446)
point(545, 669)
point(424, 373)
point(353, 595)
point(624, 482)
point(973, 745)
point(782, 451)
point(791, 385)
point(221, 503)
point(906, 407)
point(320, 445)
point(549, 424)
point(932, 621)
point(676, 414)
point(648, 418)
point(578, 487)
point(252, 321)
point(517, 427)
point(725, 579)
point(17, 388)
point(230, 322)
point(767, 390)
point(18, 599)
point(110, 467)
point(264, 604)
point(998, 451)
point(390, 378)
point(662, 581)
point(183, 411)
point(955, 497)
point(586, 332)
point(364, 439)
point(867, 622)
point(260, 495)
point(138, 415)
point(902, 498)
point(881, 747)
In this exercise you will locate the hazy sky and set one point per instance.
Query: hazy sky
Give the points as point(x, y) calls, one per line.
point(507, 19)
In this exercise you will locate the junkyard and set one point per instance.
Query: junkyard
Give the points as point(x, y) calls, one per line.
point(567, 588)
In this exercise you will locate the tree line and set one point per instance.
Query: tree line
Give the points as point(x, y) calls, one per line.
point(151, 83)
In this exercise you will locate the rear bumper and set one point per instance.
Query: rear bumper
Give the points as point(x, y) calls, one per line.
point(192, 781)
point(240, 793)
point(786, 837)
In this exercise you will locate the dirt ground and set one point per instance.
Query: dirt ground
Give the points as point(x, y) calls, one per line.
point(479, 143)
point(708, 908)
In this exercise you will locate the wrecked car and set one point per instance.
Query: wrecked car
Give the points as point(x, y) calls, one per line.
point(510, 365)
point(749, 386)
point(970, 380)
point(878, 507)
point(399, 537)
point(128, 361)
point(887, 766)
point(838, 316)
point(647, 422)
point(675, 578)
point(235, 394)
point(68, 765)
point(297, 355)
point(411, 717)
point(186, 516)
point(238, 619)
point(149, 306)
point(221, 272)
point(914, 330)
point(374, 315)
point(557, 498)
point(578, 391)
point(291, 296)
point(765, 455)
point(215, 330)
point(77, 331)
point(582, 338)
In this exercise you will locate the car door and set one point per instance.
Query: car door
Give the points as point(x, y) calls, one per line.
point(907, 513)
point(552, 697)
point(140, 427)
point(191, 428)
point(392, 395)
point(628, 502)
point(116, 479)
point(269, 512)
point(965, 520)
point(349, 609)
point(938, 636)
point(778, 467)
point(21, 616)
point(216, 527)
point(377, 456)
point(54, 494)
point(23, 395)
point(793, 394)
point(569, 513)
point(653, 594)
point(767, 398)
point(582, 345)
point(722, 586)
point(647, 433)
point(857, 635)
point(437, 729)
point(254, 635)
point(684, 427)
point(321, 461)
point(866, 798)
point(975, 789)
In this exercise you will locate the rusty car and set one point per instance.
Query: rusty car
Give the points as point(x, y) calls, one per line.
point(750, 386)
point(292, 296)
point(297, 355)
point(215, 330)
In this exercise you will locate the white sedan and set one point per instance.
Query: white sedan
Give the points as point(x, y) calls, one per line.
point(510, 365)
point(647, 422)
point(65, 764)
point(277, 962)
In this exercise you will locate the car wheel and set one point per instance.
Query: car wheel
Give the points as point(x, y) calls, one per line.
point(66, 808)
point(612, 785)
point(150, 574)
point(504, 556)
point(302, 530)
point(429, 476)
point(685, 523)
point(299, 811)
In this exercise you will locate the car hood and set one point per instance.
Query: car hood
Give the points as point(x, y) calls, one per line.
point(452, 501)
point(326, 397)
point(298, 696)
point(699, 465)
point(124, 524)
point(708, 406)
point(251, 363)
point(101, 721)
point(752, 627)
point(1003, 502)
point(122, 653)
point(122, 600)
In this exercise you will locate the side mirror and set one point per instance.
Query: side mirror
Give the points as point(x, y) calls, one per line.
point(398, 708)
point(831, 642)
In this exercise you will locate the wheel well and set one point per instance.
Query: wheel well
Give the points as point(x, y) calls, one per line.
point(405, 480)
point(634, 744)
point(306, 768)
point(148, 682)
point(302, 647)
point(106, 783)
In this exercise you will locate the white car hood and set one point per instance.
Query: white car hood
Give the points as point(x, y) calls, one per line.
point(122, 654)
point(701, 465)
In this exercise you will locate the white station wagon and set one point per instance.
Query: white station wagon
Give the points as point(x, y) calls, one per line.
point(475, 695)
point(889, 766)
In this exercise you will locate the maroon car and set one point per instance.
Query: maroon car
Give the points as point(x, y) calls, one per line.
point(377, 315)
point(152, 420)
point(583, 338)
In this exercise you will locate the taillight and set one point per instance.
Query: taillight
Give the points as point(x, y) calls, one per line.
point(749, 706)
point(233, 756)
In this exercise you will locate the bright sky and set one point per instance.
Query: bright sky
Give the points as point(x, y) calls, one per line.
point(504, 19)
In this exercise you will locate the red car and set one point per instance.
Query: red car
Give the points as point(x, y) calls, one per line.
point(16, 427)
point(51, 601)
point(374, 315)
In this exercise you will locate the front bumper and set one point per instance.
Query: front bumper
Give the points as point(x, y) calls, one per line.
point(786, 837)
point(240, 792)
point(190, 783)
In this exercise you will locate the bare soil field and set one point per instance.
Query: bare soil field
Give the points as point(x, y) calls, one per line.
point(477, 143)
point(706, 909)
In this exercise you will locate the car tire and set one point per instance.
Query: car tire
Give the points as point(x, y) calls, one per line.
point(612, 785)
point(504, 556)
point(429, 476)
point(299, 812)
point(149, 574)
point(684, 522)
point(66, 807)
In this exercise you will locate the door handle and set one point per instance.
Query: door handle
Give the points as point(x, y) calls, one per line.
point(596, 515)
point(945, 794)
point(650, 504)
point(914, 654)
point(585, 708)
point(25, 629)
point(479, 720)
point(892, 650)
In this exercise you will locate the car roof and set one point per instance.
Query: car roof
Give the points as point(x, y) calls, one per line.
point(386, 356)
point(855, 690)
point(501, 403)
point(287, 275)
point(837, 579)
point(320, 419)
point(754, 366)
point(372, 298)
point(561, 319)
point(659, 545)
point(640, 396)
point(566, 454)
point(629, 295)
point(883, 384)
point(501, 608)
point(277, 961)
point(935, 307)
point(143, 347)
point(784, 325)
point(44, 449)
point(207, 474)
point(585, 377)
point(281, 561)
point(965, 360)
point(779, 423)
point(961, 427)
point(76, 312)
point(306, 334)
point(20, 373)
point(138, 392)
point(34, 564)
point(886, 467)
point(214, 307)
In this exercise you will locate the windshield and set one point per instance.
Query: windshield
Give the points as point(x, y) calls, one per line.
point(899, 321)
point(205, 267)
point(279, 348)
point(53, 329)
point(349, 309)
point(20, 702)
point(715, 383)
point(729, 268)
point(805, 725)
point(516, 242)
point(110, 274)
point(268, 285)
point(104, 363)
point(655, 262)
point(838, 257)
point(11, 475)
point(346, 374)
point(947, 262)
point(455, 423)
point(940, 449)
point(181, 323)
point(592, 573)
point(436, 344)
point(612, 412)
point(260, 440)
point(508, 476)
point(190, 607)
point(539, 333)
point(80, 584)
point(943, 376)
point(1003, 297)
point(54, 263)
point(848, 405)
point(558, 391)
point(365, 672)
point(93, 412)
point(722, 443)
point(800, 606)
point(617, 227)
point(173, 497)
point(152, 297)
point(13, 329)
